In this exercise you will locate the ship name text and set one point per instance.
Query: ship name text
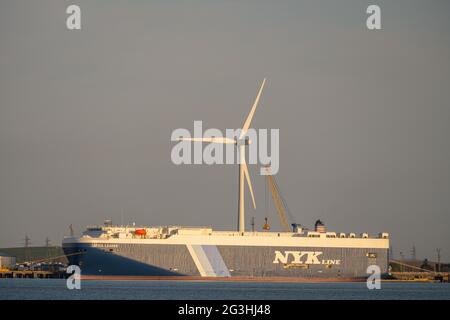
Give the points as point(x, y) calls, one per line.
point(302, 257)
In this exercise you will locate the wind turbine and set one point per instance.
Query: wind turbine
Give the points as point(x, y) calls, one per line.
point(240, 142)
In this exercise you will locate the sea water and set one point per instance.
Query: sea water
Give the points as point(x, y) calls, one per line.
point(56, 289)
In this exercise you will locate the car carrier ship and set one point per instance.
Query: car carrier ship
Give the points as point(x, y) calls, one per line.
point(161, 252)
point(202, 252)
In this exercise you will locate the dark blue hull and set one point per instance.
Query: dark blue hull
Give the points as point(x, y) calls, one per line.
point(94, 261)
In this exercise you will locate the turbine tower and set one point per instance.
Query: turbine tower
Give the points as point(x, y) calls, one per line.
point(240, 142)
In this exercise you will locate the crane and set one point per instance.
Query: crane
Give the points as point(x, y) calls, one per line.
point(280, 203)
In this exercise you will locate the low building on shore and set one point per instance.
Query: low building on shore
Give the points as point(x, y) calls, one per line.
point(7, 261)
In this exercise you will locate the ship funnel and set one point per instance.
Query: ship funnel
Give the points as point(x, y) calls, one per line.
point(319, 226)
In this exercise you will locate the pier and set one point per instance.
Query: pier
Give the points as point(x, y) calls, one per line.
point(395, 277)
point(420, 276)
point(30, 274)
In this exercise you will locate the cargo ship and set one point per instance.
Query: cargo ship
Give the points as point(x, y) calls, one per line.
point(179, 252)
point(109, 250)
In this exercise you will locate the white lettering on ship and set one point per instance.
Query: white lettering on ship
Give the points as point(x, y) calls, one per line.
point(104, 245)
point(302, 257)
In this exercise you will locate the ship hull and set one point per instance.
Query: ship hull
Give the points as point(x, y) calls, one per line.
point(165, 261)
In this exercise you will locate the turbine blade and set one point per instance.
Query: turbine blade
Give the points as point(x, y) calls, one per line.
point(248, 121)
point(211, 140)
point(249, 182)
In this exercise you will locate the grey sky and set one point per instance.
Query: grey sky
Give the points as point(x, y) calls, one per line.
point(86, 116)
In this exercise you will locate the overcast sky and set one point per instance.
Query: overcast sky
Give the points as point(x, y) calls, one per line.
point(364, 116)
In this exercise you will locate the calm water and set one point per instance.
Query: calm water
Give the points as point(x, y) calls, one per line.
point(56, 289)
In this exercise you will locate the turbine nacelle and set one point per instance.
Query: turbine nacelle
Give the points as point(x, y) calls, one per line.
point(244, 141)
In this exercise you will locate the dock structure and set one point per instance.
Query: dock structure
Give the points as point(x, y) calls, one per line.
point(406, 271)
point(395, 276)
point(30, 274)
point(421, 276)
